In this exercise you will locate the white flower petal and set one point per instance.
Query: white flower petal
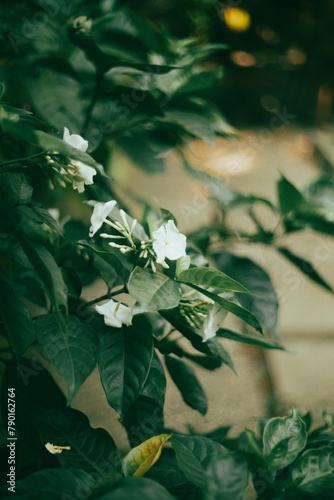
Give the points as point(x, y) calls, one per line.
point(115, 314)
point(160, 249)
point(176, 248)
point(172, 231)
point(160, 234)
point(100, 212)
point(169, 242)
point(75, 140)
point(211, 323)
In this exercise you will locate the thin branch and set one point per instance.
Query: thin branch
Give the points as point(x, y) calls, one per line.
point(21, 160)
point(105, 297)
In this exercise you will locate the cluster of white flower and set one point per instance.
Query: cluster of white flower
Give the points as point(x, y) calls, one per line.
point(166, 243)
point(80, 173)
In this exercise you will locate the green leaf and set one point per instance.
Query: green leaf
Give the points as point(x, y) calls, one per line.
point(182, 264)
point(71, 346)
point(155, 385)
point(239, 311)
point(47, 269)
point(92, 450)
point(141, 458)
point(283, 439)
point(264, 303)
point(290, 199)
point(144, 419)
point(112, 259)
point(114, 36)
point(137, 488)
point(124, 362)
point(219, 352)
point(137, 147)
point(17, 319)
point(245, 338)
point(193, 123)
point(186, 381)
point(216, 354)
point(305, 267)
point(194, 454)
point(201, 81)
point(315, 470)
point(321, 192)
point(167, 473)
point(211, 278)
point(154, 291)
point(227, 478)
point(55, 483)
point(218, 187)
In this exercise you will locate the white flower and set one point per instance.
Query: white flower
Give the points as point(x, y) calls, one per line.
point(115, 314)
point(100, 213)
point(169, 242)
point(83, 175)
point(75, 140)
point(212, 321)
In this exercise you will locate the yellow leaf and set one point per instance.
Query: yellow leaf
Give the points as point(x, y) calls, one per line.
point(141, 458)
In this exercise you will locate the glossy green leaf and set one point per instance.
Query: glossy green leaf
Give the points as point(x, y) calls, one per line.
point(227, 478)
point(17, 319)
point(92, 450)
point(48, 271)
point(245, 338)
point(194, 454)
point(144, 419)
point(186, 381)
point(124, 362)
point(263, 301)
point(155, 385)
point(55, 483)
point(141, 458)
point(71, 346)
point(283, 440)
point(305, 267)
point(211, 278)
point(154, 291)
point(315, 470)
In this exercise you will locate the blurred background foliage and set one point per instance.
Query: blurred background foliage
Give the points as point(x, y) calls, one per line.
point(280, 54)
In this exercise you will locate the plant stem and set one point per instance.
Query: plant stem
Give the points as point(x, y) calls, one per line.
point(20, 160)
point(105, 297)
point(91, 106)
